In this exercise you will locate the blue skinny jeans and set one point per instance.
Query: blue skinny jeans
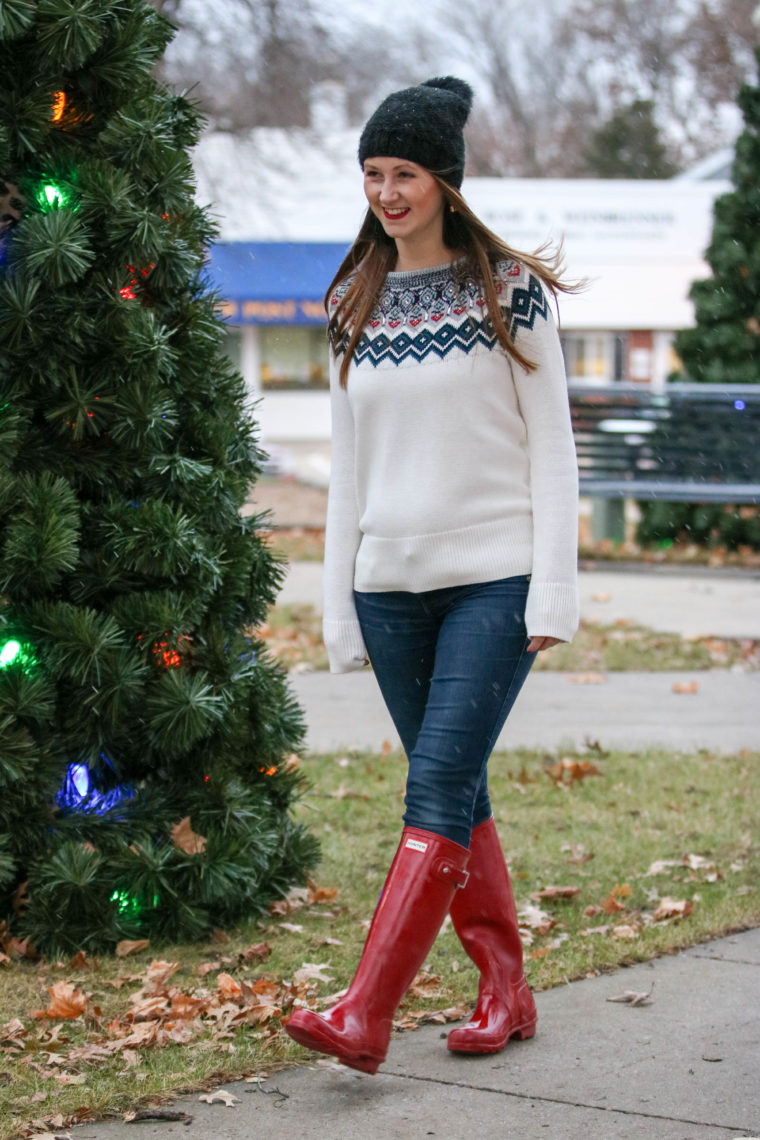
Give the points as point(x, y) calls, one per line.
point(449, 664)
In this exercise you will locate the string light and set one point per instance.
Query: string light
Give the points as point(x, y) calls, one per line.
point(9, 652)
point(59, 106)
point(14, 652)
point(51, 196)
point(129, 906)
point(128, 292)
point(78, 793)
point(166, 655)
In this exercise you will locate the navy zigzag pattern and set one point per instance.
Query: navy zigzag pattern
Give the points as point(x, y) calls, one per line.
point(408, 324)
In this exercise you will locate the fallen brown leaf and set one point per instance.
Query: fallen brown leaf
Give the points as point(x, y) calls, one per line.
point(425, 985)
point(625, 931)
point(125, 948)
point(660, 866)
point(257, 953)
point(536, 919)
point(611, 904)
point(20, 948)
point(80, 961)
point(66, 1003)
point(229, 989)
point(221, 1096)
point(569, 770)
point(672, 908)
point(158, 974)
point(206, 968)
point(312, 971)
point(186, 839)
point(555, 893)
point(321, 894)
point(585, 678)
point(685, 686)
point(631, 997)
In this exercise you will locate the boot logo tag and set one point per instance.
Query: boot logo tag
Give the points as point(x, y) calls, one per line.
point(416, 845)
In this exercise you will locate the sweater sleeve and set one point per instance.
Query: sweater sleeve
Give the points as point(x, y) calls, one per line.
point(553, 605)
point(340, 625)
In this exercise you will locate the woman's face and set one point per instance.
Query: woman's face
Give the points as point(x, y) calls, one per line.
point(405, 197)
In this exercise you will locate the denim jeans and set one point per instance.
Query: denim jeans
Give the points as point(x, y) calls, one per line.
point(449, 664)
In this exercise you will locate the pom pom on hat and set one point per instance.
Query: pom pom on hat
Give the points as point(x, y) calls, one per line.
point(423, 124)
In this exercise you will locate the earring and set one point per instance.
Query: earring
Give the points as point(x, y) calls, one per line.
point(452, 210)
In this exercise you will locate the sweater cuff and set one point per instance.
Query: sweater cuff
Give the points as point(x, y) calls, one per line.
point(345, 645)
point(552, 610)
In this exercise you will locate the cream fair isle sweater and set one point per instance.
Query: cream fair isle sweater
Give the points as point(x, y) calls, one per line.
point(451, 464)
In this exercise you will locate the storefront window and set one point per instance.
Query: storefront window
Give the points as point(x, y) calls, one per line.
point(589, 357)
point(293, 357)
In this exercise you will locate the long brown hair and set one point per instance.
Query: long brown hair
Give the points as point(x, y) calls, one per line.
point(373, 255)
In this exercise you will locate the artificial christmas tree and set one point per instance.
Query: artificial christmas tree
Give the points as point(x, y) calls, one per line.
point(723, 347)
point(144, 733)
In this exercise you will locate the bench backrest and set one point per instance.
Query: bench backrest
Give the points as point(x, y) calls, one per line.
point(690, 442)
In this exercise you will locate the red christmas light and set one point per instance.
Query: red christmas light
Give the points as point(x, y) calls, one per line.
point(128, 292)
point(167, 655)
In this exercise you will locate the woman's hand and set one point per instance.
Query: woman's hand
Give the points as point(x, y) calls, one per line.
point(536, 644)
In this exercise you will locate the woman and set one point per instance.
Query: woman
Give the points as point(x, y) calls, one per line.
point(450, 556)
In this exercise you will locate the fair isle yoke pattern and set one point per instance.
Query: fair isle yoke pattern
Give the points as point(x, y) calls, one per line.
point(422, 314)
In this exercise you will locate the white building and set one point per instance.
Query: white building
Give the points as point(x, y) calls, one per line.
point(290, 202)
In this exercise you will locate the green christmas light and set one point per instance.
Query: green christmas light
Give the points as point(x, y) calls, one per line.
point(14, 652)
point(9, 652)
point(128, 906)
point(51, 197)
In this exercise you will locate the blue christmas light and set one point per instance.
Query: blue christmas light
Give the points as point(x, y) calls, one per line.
point(78, 793)
point(739, 405)
point(80, 778)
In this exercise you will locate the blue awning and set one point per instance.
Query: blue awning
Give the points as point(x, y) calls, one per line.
point(274, 283)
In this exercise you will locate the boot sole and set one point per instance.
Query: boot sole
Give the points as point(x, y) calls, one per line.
point(521, 1033)
point(321, 1042)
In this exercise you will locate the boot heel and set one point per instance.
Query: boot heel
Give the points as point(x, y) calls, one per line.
point(525, 1031)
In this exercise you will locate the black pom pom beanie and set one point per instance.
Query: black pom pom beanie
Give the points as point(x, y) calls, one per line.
point(423, 124)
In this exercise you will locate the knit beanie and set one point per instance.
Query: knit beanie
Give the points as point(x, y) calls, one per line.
point(423, 124)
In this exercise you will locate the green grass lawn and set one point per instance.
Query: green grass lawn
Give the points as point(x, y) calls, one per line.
point(642, 829)
point(294, 634)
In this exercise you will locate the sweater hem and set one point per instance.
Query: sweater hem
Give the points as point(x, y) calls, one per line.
point(480, 553)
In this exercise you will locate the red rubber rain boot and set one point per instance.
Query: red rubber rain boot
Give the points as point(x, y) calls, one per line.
point(417, 895)
point(485, 918)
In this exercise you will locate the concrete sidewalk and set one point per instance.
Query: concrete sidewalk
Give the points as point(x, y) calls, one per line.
point(624, 710)
point(685, 1067)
